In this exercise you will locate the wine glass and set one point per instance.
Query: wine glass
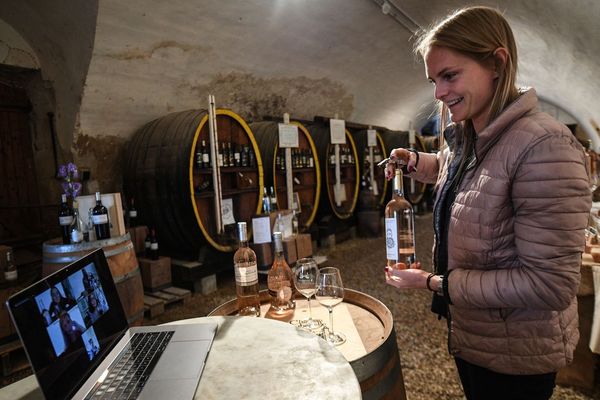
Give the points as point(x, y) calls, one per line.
point(330, 293)
point(305, 279)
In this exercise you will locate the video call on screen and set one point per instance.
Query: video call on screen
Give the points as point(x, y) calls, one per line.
point(70, 309)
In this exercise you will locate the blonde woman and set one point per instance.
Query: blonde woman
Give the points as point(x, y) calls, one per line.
point(511, 205)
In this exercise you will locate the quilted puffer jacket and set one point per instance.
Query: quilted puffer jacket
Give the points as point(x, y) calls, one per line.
point(515, 239)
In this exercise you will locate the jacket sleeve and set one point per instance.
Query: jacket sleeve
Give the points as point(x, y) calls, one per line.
point(428, 166)
point(551, 201)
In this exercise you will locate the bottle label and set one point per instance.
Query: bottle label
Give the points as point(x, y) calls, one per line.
point(10, 275)
point(391, 238)
point(133, 214)
point(246, 274)
point(147, 245)
point(205, 158)
point(64, 221)
point(100, 219)
point(153, 246)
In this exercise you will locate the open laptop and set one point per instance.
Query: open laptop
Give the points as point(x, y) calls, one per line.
point(75, 333)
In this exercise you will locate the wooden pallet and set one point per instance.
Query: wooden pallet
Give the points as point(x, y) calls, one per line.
point(155, 302)
point(13, 358)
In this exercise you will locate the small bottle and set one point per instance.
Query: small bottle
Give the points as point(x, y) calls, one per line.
point(273, 200)
point(205, 155)
point(153, 245)
point(100, 219)
point(244, 156)
point(295, 226)
point(221, 155)
point(10, 273)
point(278, 226)
point(246, 276)
point(65, 219)
point(251, 158)
point(77, 225)
point(266, 202)
point(132, 214)
point(237, 158)
point(147, 244)
point(198, 157)
point(280, 284)
point(399, 228)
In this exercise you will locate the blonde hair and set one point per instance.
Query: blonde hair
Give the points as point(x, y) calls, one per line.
point(475, 32)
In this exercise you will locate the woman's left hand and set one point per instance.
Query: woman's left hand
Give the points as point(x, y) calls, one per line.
point(412, 278)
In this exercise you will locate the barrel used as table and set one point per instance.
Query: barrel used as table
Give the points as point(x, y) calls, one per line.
point(379, 372)
point(305, 168)
point(122, 262)
point(172, 182)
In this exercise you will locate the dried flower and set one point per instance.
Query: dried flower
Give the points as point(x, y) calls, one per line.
point(70, 175)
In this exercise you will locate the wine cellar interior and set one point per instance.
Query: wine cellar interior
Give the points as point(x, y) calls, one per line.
point(179, 137)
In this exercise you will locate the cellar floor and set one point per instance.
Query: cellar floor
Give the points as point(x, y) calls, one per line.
point(429, 372)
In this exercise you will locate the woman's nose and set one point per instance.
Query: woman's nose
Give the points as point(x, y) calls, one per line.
point(440, 91)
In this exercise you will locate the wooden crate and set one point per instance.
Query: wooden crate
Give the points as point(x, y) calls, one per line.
point(155, 302)
point(156, 274)
point(13, 358)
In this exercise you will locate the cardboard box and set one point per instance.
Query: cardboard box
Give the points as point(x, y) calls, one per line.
point(138, 237)
point(112, 201)
point(303, 245)
point(289, 250)
point(264, 254)
point(156, 274)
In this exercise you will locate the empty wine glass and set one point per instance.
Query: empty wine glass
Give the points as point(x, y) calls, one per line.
point(305, 279)
point(330, 293)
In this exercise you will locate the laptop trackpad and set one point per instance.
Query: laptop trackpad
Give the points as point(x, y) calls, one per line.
point(181, 360)
point(176, 389)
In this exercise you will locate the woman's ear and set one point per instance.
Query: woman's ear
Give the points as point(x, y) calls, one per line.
point(500, 58)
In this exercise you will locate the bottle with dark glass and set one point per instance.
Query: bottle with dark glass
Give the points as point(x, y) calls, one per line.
point(153, 245)
point(100, 219)
point(10, 272)
point(237, 157)
point(205, 155)
point(399, 228)
point(132, 213)
point(251, 158)
point(244, 156)
point(77, 227)
point(246, 276)
point(280, 281)
point(65, 219)
point(147, 244)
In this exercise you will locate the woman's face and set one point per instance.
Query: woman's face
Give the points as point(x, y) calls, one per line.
point(55, 295)
point(465, 86)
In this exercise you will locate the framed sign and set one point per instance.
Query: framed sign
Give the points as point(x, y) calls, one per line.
point(337, 129)
point(371, 137)
point(288, 135)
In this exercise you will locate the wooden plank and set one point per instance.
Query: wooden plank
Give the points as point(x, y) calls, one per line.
point(184, 294)
point(153, 306)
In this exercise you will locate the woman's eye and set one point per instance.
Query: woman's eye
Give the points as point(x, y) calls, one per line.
point(449, 76)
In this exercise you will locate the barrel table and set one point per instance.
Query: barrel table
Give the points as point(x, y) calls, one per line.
point(378, 367)
point(122, 262)
point(256, 358)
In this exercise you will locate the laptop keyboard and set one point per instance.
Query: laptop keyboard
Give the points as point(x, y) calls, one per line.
point(130, 371)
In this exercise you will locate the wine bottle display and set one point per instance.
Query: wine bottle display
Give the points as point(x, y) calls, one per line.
point(399, 228)
point(279, 282)
point(132, 214)
point(77, 225)
point(153, 245)
point(246, 276)
point(65, 219)
point(100, 220)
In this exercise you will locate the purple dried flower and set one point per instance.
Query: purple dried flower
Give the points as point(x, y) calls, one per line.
point(72, 169)
point(62, 171)
point(76, 189)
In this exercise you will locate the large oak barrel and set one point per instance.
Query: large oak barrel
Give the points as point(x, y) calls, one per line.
point(176, 195)
point(380, 152)
point(122, 262)
point(379, 371)
point(307, 179)
point(349, 174)
point(395, 139)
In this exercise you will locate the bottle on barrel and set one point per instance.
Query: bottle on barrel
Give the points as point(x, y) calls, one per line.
point(153, 245)
point(280, 284)
point(10, 272)
point(100, 219)
point(246, 276)
point(76, 230)
point(132, 214)
point(399, 228)
point(147, 244)
point(65, 219)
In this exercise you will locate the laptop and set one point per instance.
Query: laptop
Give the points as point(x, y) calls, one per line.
point(76, 336)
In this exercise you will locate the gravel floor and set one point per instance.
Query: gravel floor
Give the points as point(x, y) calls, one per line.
point(428, 370)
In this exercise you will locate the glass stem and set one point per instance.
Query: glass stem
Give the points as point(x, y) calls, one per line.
point(331, 320)
point(309, 309)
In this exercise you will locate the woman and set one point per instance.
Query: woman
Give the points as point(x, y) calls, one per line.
point(70, 329)
point(59, 303)
point(94, 309)
point(511, 206)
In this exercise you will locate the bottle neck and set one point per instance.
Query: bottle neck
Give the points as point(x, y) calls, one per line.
point(398, 184)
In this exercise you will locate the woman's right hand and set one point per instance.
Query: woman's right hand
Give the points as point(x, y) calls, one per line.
point(403, 157)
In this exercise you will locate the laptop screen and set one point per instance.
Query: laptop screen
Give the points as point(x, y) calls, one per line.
point(68, 322)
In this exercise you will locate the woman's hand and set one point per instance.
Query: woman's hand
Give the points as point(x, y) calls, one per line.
point(411, 278)
point(403, 157)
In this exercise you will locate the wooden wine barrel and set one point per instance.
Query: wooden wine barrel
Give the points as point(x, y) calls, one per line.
point(393, 140)
point(379, 371)
point(122, 262)
point(309, 188)
point(360, 138)
point(349, 174)
point(175, 195)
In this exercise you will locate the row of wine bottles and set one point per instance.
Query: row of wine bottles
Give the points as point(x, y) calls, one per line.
point(301, 158)
point(346, 156)
point(72, 227)
point(229, 156)
point(280, 280)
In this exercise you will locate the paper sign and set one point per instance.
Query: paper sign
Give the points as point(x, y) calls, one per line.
point(337, 129)
point(287, 230)
point(227, 212)
point(261, 230)
point(296, 203)
point(371, 137)
point(288, 135)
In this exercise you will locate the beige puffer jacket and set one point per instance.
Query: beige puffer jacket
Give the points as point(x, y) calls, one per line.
point(514, 244)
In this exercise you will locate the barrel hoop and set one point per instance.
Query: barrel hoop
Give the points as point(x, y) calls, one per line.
point(118, 250)
point(129, 275)
point(136, 316)
point(356, 184)
point(386, 386)
point(368, 365)
point(311, 143)
point(73, 258)
point(259, 165)
point(91, 246)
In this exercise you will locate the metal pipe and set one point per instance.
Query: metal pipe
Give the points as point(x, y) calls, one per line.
point(214, 153)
